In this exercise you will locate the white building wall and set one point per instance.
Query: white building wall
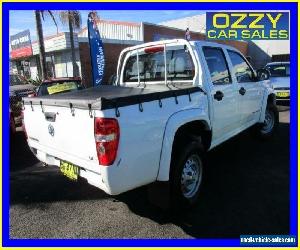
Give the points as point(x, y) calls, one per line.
point(56, 43)
point(117, 30)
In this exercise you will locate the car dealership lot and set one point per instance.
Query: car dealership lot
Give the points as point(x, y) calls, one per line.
point(246, 191)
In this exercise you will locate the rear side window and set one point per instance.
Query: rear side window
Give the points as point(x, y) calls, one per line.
point(151, 66)
point(217, 65)
point(241, 69)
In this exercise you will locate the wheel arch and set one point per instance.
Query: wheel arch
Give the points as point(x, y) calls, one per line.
point(181, 124)
point(269, 98)
point(194, 129)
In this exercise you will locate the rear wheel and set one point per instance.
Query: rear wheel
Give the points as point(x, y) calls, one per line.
point(186, 173)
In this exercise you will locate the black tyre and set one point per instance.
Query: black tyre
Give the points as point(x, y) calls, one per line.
point(267, 129)
point(186, 173)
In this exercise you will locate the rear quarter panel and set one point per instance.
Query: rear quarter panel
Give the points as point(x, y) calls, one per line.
point(141, 140)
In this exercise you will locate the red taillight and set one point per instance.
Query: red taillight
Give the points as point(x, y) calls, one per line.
point(107, 134)
point(23, 124)
point(32, 95)
point(154, 49)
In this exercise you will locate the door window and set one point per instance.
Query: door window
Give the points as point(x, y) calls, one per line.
point(217, 65)
point(241, 68)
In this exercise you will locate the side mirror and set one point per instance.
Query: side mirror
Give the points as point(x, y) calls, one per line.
point(262, 74)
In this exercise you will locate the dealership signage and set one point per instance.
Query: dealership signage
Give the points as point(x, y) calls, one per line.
point(20, 44)
point(247, 25)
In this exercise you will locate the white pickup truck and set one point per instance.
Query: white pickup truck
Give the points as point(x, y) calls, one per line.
point(172, 101)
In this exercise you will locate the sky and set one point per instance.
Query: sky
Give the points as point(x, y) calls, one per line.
point(20, 20)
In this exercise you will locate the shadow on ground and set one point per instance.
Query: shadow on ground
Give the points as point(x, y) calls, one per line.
point(246, 191)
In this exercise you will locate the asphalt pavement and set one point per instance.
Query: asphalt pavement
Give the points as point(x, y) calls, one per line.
point(245, 191)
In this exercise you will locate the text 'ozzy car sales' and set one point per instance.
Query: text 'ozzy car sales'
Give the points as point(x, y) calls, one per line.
point(248, 25)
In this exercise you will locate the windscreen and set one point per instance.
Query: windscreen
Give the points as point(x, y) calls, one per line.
point(279, 70)
point(151, 66)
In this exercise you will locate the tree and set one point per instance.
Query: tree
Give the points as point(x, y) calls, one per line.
point(39, 14)
point(72, 18)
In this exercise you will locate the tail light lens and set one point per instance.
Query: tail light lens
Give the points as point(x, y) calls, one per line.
point(32, 95)
point(107, 134)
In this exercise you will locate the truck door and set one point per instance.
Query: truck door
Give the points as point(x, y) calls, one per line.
point(225, 117)
point(250, 91)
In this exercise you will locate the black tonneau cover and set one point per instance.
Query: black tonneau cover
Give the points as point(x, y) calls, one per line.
point(108, 96)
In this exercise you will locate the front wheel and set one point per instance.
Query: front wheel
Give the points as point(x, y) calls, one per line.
point(271, 122)
point(186, 174)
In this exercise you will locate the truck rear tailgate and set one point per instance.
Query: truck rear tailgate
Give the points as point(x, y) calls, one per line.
point(59, 129)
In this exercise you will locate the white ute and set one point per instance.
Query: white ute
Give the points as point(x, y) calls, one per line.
point(172, 101)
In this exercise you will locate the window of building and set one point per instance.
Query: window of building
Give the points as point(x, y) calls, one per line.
point(50, 66)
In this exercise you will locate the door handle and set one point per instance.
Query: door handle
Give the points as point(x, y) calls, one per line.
point(242, 91)
point(218, 95)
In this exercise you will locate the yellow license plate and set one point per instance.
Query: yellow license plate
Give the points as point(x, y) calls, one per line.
point(282, 94)
point(69, 170)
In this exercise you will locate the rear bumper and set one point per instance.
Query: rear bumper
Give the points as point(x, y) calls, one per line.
point(94, 174)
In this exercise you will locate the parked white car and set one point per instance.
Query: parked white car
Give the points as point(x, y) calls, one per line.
point(173, 101)
point(280, 79)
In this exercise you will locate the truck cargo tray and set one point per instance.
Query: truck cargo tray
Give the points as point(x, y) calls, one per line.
point(109, 96)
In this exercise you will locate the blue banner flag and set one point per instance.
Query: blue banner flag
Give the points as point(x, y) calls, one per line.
point(96, 50)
